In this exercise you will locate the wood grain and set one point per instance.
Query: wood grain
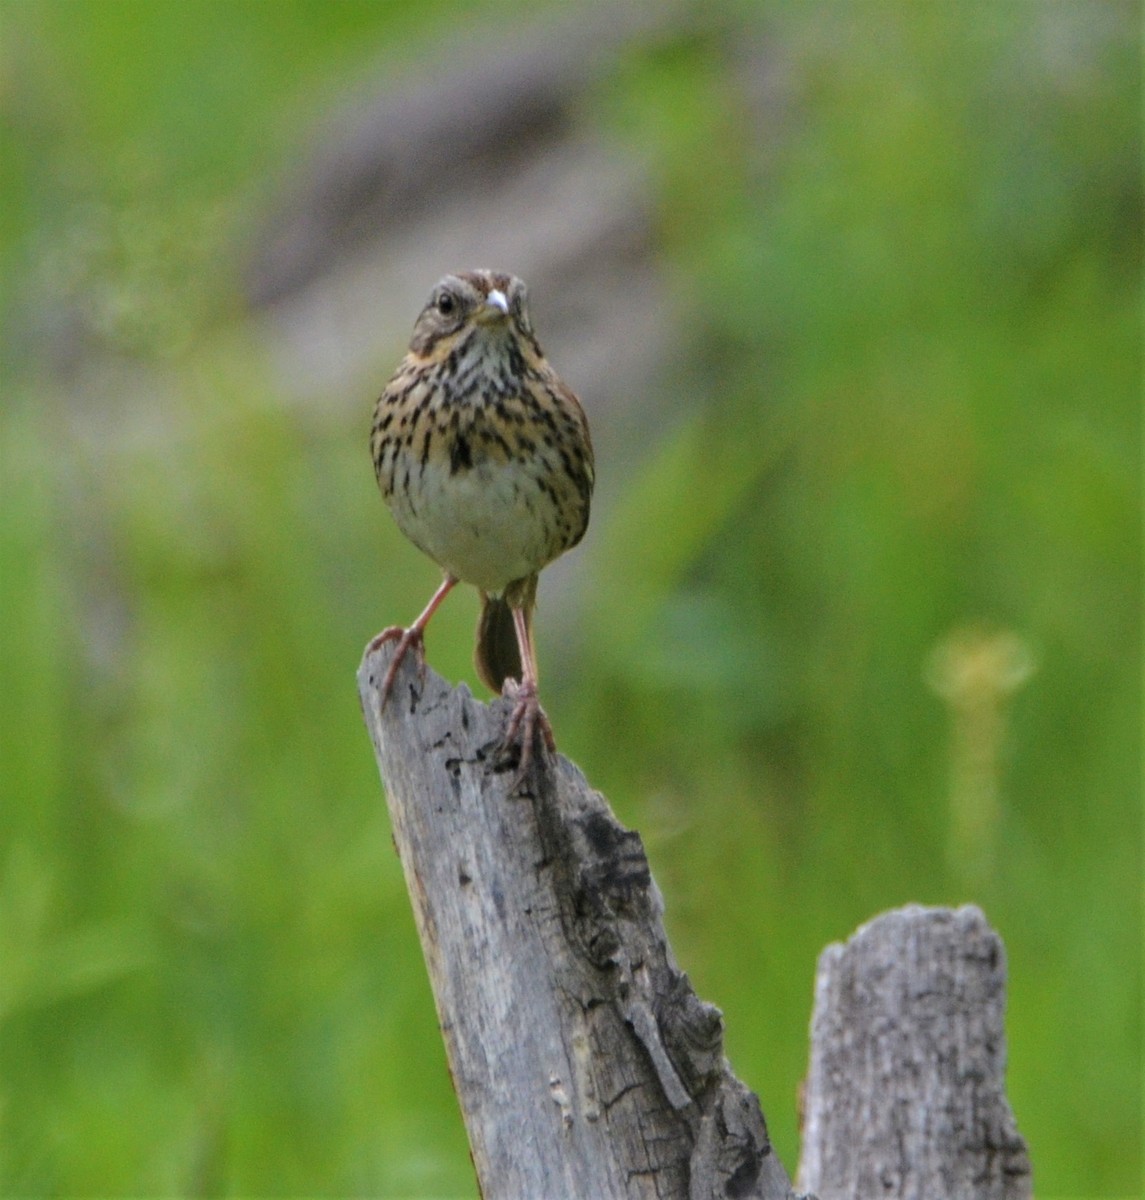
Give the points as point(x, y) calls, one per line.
point(905, 1097)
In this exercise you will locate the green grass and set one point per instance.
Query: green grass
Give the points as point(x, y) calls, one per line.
point(913, 407)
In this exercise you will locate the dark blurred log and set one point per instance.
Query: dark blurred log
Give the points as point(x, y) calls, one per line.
point(584, 1063)
point(905, 1095)
point(410, 145)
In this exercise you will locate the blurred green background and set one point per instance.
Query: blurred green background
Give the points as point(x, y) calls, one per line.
point(864, 606)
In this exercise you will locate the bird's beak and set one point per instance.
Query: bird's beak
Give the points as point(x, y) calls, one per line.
point(496, 306)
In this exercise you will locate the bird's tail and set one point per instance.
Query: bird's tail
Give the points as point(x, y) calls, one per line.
point(498, 657)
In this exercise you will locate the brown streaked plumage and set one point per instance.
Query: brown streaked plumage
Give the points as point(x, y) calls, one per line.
point(485, 460)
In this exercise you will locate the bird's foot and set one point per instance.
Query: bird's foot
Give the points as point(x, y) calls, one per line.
point(527, 722)
point(407, 639)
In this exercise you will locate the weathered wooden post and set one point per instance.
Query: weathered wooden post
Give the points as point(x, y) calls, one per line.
point(905, 1095)
point(585, 1065)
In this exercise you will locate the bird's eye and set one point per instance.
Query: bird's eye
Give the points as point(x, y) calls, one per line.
point(446, 304)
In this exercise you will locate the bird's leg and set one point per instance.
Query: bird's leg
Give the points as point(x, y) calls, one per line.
point(413, 637)
point(528, 717)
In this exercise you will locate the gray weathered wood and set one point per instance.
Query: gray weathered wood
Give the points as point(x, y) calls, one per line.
point(584, 1063)
point(905, 1098)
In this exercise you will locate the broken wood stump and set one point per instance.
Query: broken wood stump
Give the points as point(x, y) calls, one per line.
point(905, 1095)
point(584, 1063)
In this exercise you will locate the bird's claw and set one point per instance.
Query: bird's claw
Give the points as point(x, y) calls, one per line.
point(407, 639)
point(526, 722)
